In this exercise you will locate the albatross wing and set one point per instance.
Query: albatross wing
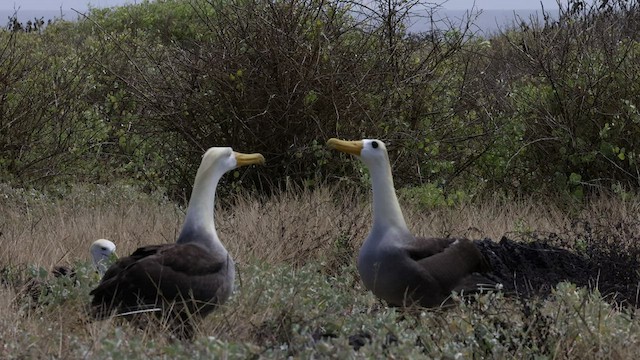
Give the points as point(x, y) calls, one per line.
point(454, 265)
point(155, 276)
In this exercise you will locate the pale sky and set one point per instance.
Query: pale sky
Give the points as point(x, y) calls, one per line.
point(57, 4)
point(501, 4)
point(451, 4)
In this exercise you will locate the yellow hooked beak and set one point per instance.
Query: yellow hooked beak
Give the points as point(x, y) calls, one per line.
point(248, 159)
point(349, 147)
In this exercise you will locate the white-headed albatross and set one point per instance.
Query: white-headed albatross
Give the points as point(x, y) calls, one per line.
point(396, 266)
point(406, 270)
point(36, 288)
point(184, 280)
point(102, 251)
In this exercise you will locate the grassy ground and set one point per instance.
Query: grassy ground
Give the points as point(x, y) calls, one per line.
point(298, 291)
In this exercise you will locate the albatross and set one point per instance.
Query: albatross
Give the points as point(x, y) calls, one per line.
point(395, 265)
point(102, 251)
point(406, 270)
point(35, 289)
point(182, 281)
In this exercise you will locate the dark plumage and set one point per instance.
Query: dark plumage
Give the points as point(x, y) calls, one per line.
point(184, 281)
point(187, 271)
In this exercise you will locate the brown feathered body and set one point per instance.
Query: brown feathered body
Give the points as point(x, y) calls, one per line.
point(159, 276)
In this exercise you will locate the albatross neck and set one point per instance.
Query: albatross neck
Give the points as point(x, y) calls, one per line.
point(199, 226)
point(386, 208)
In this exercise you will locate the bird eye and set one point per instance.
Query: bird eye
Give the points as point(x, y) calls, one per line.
point(374, 144)
point(103, 248)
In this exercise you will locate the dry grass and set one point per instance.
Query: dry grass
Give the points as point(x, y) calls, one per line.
point(299, 294)
point(43, 231)
point(289, 228)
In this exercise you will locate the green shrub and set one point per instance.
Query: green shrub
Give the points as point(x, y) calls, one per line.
point(138, 92)
point(573, 93)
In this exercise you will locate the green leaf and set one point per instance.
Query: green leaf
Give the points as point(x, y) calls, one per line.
point(575, 178)
point(311, 97)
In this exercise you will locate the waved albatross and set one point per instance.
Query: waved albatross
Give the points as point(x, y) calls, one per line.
point(406, 270)
point(102, 251)
point(36, 289)
point(184, 280)
point(396, 266)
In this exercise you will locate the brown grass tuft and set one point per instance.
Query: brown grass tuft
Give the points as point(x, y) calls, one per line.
point(292, 228)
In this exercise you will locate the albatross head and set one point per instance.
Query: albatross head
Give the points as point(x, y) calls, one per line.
point(386, 209)
point(101, 252)
point(199, 225)
point(372, 152)
point(219, 160)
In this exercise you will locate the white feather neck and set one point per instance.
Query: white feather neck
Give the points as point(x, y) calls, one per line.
point(199, 225)
point(386, 208)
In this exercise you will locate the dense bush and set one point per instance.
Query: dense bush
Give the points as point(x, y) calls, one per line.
point(48, 130)
point(138, 92)
point(570, 87)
